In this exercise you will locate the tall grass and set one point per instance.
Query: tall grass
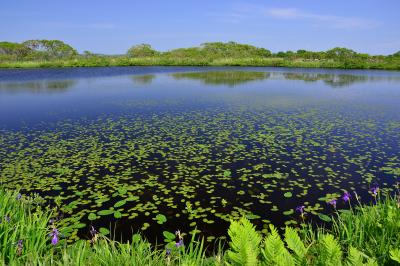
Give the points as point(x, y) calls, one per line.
point(363, 235)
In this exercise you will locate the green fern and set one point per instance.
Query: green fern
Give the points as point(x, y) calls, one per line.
point(274, 252)
point(395, 254)
point(357, 258)
point(295, 244)
point(330, 253)
point(245, 242)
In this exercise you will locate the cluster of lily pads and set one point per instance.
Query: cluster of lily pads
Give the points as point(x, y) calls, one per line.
point(196, 169)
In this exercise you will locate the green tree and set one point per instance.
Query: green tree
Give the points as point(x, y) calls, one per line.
point(50, 48)
point(14, 49)
point(397, 54)
point(141, 50)
point(233, 49)
point(340, 53)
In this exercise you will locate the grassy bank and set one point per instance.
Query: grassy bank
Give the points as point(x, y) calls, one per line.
point(363, 235)
point(55, 53)
point(168, 61)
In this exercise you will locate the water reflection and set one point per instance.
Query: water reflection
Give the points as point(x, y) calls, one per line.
point(37, 86)
point(332, 80)
point(233, 78)
point(143, 79)
point(230, 78)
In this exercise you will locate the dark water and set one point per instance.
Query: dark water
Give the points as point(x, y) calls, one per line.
point(199, 146)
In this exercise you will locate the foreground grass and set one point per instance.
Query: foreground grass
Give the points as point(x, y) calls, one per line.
point(104, 61)
point(363, 235)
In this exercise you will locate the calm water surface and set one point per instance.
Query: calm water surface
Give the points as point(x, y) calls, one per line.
point(128, 147)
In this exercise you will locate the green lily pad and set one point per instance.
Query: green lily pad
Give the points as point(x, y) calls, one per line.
point(105, 212)
point(120, 203)
point(92, 216)
point(117, 214)
point(324, 217)
point(104, 231)
point(288, 195)
point(161, 218)
point(169, 235)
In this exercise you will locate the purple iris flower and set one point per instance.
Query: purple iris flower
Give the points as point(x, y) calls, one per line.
point(54, 236)
point(346, 196)
point(179, 244)
point(300, 209)
point(333, 203)
point(19, 247)
point(374, 190)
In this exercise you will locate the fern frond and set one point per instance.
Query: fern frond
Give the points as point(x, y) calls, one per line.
point(357, 258)
point(395, 254)
point(244, 245)
point(295, 244)
point(331, 253)
point(274, 252)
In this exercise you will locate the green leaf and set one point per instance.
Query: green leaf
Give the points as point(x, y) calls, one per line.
point(245, 241)
point(227, 173)
point(252, 216)
point(324, 217)
point(169, 235)
point(92, 216)
point(288, 195)
point(161, 218)
point(105, 212)
point(117, 214)
point(395, 254)
point(104, 231)
point(331, 253)
point(295, 244)
point(274, 252)
point(120, 203)
point(78, 225)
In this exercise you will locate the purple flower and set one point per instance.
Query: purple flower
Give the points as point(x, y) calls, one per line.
point(7, 218)
point(300, 209)
point(19, 247)
point(19, 196)
point(54, 240)
point(179, 244)
point(374, 190)
point(333, 203)
point(346, 196)
point(168, 252)
point(54, 236)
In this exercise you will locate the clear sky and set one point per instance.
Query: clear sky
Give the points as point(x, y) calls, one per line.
point(111, 27)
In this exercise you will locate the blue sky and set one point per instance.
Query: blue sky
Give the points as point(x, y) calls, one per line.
point(111, 27)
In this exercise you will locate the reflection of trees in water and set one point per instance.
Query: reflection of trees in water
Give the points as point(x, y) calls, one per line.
point(143, 79)
point(230, 78)
point(334, 80)
point(38, 86)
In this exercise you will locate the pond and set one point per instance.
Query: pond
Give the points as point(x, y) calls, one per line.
point(156, 149)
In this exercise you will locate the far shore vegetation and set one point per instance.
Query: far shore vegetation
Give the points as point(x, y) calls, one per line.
point(55, 53)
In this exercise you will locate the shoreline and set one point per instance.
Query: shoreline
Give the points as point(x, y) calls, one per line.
point(229, 62)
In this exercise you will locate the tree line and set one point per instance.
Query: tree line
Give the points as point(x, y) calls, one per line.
point(210, 53)
point(49, 49)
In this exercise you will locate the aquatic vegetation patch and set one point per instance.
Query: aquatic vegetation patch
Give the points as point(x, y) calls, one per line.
point(197, 169)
